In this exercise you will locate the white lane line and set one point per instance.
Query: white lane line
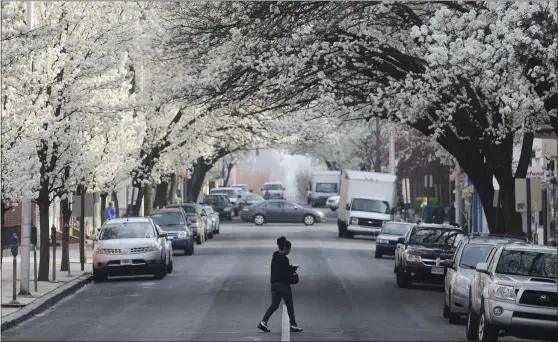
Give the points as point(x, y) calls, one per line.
point(285, 327)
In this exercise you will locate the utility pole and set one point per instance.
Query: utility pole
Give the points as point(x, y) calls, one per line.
point(391, 153)
point(26, 212)
point(458, 199)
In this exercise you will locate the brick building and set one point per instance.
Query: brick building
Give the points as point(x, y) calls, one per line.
point(13, 216)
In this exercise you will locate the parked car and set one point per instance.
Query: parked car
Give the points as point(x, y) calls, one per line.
point(235, 195)
point(214, 218)
point(333, 203)
point(471, 250)
point(387, 239)
point(194, 214)
point(169, 250)
point(208, 223)
point(514, 293)
point(130, 246)
point(221, 204)
point(419, 254)
point(275, 190)
point(271, 211)
point(177, 225)
point(243, 187)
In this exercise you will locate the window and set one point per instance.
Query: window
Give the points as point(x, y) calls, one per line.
point(127, 230)
point(370, 205)
point(474, 254)
point(273, 186)
point(396, 229)
point(272, 205)
point(168, 219)
point(528, 263)
point(435, 237)
point(288, 205)
point(329, 188)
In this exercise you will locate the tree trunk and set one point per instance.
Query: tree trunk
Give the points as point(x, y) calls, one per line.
point(114, 198)
point(140, 190)
point(227, 178)
point(66, 213)
point(173, 187)
point(44, 254)
point(378, 149)
point(161, 195)
point(103, 206)
point(332, 165)
point(195, 182)
point(148, 203)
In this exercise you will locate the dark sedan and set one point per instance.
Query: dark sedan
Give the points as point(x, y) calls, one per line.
point(387, 239)
point(251, 199)
point(280, 211)
point(176, 224)
point(221, 204)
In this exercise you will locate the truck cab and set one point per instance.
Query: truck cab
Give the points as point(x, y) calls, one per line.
point(367, 215)
point(324, 185)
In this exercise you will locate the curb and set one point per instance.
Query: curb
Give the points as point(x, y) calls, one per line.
point(48, 300)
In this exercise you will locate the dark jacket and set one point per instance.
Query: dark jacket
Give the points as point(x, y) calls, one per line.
point(281, 270)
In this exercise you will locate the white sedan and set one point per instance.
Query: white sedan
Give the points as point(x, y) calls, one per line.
point(333, 203)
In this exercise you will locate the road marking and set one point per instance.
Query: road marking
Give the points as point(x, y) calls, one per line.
point(285, 328)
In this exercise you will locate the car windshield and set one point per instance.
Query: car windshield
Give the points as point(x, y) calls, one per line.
point(474, 254)
point(217, 199)
point(242, 187)
point(209, 210)
point(254, 198)
point(395, 229)
point(189, 209)
point(528, 263)
point(127, 230)
point(329, 188)
point(272, 186)
point(169, 218)
point(370, 205)
point(229, 192)
point(435, 237)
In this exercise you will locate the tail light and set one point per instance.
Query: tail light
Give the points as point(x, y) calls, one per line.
point(245, 209)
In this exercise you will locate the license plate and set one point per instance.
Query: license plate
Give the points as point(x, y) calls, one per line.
point(170, 237)
point(125, 262)
point(437, 270)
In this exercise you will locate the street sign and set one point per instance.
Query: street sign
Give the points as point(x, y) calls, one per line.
point(521, 195)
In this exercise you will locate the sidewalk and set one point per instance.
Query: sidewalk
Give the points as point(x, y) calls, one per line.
point(74, 254)
point(48, 292)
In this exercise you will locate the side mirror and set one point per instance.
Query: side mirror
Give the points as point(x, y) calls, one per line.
point(348, 206)
point(401, 240)
point(482, 267)
point(239, 196)
point(448, 263)
point(163, 235)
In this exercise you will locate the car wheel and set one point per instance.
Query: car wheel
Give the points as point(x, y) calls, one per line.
point(378, 254)
point(446, 311)
point(259, 219)
point(309, 220)
point(486, 331)
point(170, 267)
point(210, 235)
point(99, 276)
point(454, 318)
point(333, 209)
point(472, 325)
point(235, 212)
point(403, 280)
point(161, 271)
point(189, 251)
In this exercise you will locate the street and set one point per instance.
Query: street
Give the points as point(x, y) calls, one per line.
point(222, 291)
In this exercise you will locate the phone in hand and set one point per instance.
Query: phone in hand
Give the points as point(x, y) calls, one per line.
point(295, 267)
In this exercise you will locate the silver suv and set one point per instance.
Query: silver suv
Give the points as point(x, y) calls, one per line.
point(514, 293)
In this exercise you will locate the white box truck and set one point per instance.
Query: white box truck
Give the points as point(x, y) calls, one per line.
point(324, 185)
point(366, 200)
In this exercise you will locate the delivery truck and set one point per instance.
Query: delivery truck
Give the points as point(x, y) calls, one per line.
point(366, 201)
point(324, 185)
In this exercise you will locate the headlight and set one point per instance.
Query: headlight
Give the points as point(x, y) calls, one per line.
point(382, 241)
point(461, 281)
point(227, 209)
point(99, 250)
point(182, 234)
point(413, 258)
point(354, 220)
point(503, 292)
point(154, 247)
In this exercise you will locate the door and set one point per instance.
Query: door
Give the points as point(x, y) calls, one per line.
point(272, 211)
point(291, 212)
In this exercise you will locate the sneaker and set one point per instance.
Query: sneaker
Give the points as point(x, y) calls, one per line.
point(295, 328)
point(263, 327)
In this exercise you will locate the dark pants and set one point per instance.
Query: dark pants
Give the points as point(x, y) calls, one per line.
point(279, 291)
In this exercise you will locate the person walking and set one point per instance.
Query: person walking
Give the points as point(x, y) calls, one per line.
point(110, 212)
point(281, 273)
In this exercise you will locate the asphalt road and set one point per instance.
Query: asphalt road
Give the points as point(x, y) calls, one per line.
point(222, 291)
